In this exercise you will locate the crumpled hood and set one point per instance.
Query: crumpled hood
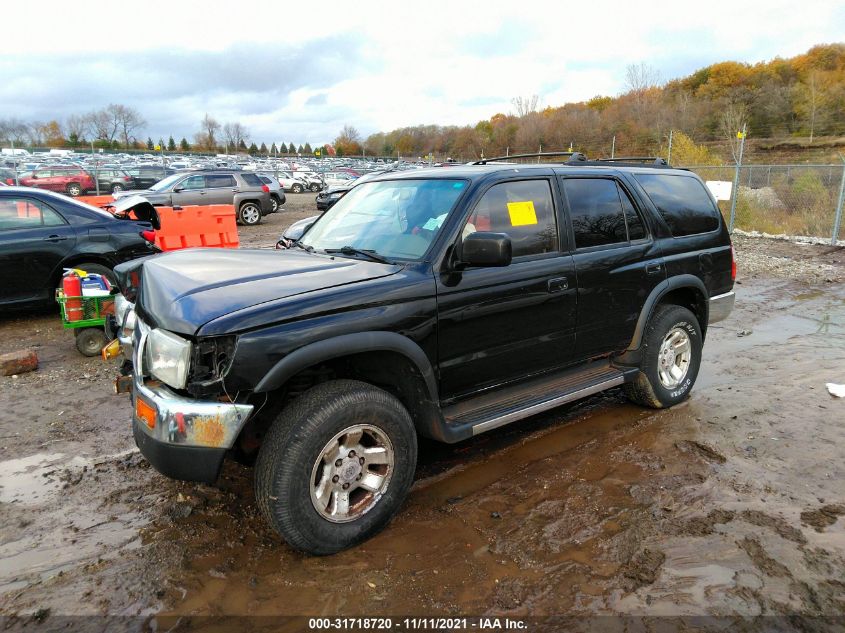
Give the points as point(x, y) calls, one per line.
point(183, 290)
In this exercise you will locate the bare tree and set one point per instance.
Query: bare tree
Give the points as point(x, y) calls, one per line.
point(14, 130)
point(76, 126)
point(207, 136)
point(235, 134)
point(641, 77)
point(125, 121)
point(102, 124)
point(525, 105)
point(732, 120)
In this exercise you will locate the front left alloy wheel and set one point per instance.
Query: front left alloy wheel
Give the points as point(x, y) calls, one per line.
point(335, 466)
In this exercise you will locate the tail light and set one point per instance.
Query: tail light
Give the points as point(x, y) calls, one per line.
point(127, 178)
point(150, 236)
point(733, 264)
point(265, 188)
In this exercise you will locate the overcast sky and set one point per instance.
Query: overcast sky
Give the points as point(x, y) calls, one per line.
point(300, 71)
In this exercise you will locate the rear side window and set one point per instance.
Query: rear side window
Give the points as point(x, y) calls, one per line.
point(682, 201)
point(522, 209)
point(601, 212)
point(252, 180)
point(219, 181)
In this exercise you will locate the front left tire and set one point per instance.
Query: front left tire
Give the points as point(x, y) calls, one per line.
point(335, 466)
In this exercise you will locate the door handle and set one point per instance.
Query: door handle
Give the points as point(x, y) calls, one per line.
point(55, 238)
point(557, 284)
point(653, 269)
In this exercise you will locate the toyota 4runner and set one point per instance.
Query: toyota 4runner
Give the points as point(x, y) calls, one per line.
point(437, 303)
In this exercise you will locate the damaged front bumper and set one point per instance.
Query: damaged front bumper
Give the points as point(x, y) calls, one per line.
point(181, 437)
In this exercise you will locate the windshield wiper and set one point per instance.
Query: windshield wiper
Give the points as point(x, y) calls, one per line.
point(351, 250)
point(306, 247)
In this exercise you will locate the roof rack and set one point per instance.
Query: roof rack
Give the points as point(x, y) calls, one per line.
point(645, 160)
point(573, 157)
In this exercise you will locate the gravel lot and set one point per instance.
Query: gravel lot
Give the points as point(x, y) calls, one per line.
point(729, 504)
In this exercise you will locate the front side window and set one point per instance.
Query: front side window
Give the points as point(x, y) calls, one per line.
point(24, 213)
point(395, 218)
point(523, 210)
point(194, 182)
point(683, 203)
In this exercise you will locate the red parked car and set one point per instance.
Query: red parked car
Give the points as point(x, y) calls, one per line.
point(68, 179)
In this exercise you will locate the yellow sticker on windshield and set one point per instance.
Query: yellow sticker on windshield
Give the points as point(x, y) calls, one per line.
point(522, 213)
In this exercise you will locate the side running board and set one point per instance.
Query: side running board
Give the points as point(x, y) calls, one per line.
point(503, 406)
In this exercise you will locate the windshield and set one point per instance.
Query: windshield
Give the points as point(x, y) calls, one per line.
point(394, 218)
point(164, 184)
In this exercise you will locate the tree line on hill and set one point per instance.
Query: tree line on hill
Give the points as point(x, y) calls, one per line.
point(802, 97)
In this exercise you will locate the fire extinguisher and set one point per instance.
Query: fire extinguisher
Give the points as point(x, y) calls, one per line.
point(72, 290)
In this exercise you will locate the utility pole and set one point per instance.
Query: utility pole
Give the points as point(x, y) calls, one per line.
point(837, 222)
point(96, 170)
point(15, 163)
point(613, 147)
point(735, 190)
point(669, 158)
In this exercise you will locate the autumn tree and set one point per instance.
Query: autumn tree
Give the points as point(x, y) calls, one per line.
point(348, 142)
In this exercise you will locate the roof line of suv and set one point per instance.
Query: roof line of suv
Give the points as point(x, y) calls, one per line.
point(580, 159)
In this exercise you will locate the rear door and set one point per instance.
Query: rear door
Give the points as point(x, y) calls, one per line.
point(617, 261)
point(497, 325)
point(221, 189)
point(34, 240)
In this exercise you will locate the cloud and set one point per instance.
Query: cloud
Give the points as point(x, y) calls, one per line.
point(294, 73)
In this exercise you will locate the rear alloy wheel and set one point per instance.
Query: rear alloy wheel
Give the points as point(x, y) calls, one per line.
point(297, 188)
point(336, 466)
point(74, 189)
point(116, 187)
point(249, 214)
point(671, 358)
point(275, 202)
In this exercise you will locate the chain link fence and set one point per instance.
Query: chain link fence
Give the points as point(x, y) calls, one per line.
point(803, 200)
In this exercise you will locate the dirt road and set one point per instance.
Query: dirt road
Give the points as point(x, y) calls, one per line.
point(729, 504)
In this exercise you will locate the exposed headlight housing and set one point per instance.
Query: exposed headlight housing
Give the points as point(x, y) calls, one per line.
point(168, 357)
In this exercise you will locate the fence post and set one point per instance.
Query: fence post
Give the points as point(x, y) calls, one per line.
point(735, 189)
point(837, 221)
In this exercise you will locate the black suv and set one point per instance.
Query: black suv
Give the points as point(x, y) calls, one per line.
point(441, 303)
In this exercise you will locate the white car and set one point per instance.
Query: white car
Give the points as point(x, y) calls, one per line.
point(337, 179)
point(291, 182)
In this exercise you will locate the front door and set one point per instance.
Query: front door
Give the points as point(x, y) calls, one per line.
point(192, 191)
point(497, 325)
point(34, 240)
point(617, 261)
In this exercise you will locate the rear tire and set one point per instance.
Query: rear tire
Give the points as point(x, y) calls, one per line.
point(74, 189)
point(249, 214)
point(115, 188)
point(307, 473)
point(314, 187)
point(275, 202)
point(671, 358)
point(297, 188)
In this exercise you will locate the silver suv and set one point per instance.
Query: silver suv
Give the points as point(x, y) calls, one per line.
point(245, 190)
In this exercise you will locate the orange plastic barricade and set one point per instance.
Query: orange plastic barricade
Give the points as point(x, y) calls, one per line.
point(210, 226)
point(96, 201)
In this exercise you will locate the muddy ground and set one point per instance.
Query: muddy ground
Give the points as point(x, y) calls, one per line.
point(729, 504)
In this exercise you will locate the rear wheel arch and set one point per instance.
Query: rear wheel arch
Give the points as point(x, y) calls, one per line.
point(687, 291)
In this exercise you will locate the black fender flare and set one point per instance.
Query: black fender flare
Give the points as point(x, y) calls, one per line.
point(673, 283)
point(345, 345)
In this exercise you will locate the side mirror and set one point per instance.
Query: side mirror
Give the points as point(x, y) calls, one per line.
point(33, 177)
point(485, 249)
point(179, 190)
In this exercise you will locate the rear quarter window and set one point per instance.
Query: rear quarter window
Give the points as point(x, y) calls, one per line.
point(252, 180)
point(683, 203)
